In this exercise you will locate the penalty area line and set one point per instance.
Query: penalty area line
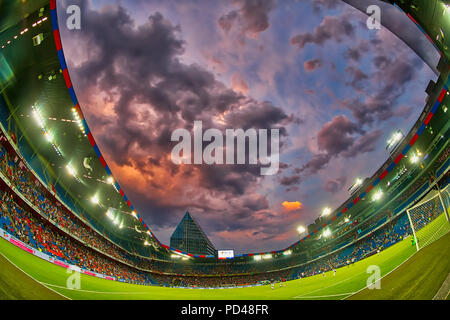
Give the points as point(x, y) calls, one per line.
point(308, 293)
point(325, 296)
point(41, 283)
point(91, 291)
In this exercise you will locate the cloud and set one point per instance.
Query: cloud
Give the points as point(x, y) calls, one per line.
point(291, 180)
point(336, 135)
point(238, 83)
point(251, 18)
point(331, 28)
point(339, 137)
point(292, 206)
point(312, 65)
point(334, 185)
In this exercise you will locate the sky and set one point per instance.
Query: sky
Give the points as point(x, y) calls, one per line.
point(310, 68)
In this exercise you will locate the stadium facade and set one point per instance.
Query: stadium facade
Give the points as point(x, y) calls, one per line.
point(59, 196)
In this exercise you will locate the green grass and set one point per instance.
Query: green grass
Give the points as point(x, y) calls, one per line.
point(419, 278)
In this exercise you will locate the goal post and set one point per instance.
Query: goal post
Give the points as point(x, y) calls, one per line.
point(429, 218)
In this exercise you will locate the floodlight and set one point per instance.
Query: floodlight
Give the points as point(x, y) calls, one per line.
point(301, 229)
point(326, 212)
point(377, 196)
point(257, 257)
point(267, 256)
point(414, 158)
point(94, 199)
point(110, 180)
point(48, 136)
point(287, 252)
point(326, 233)
point(71, 170)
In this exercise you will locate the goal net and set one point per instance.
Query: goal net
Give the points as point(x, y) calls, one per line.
point(428, 219)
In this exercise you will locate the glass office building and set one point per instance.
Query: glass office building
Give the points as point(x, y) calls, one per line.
point(189, 237)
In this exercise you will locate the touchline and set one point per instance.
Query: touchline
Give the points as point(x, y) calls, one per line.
point(213, 153)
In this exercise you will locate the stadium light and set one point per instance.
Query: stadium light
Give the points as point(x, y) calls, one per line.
point(109, 213)
point(175, 256)
point(38, 117)
point(48, 136)
point(134, 214)
point(110, 180)
point(377, 196)
point(146, 243)
point(95, 199)
point(267, 256)
point(287, 252)
point(414, 158)
point(71, 170)
point(347, 220)
point(326, 233)
point(326, 212)
point(396, 137)
point(257, 257)
point(301, 229)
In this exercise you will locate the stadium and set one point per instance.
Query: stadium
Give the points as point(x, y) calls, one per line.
point(72, 234)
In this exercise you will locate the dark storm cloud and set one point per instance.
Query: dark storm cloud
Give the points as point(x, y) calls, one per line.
point(336, 136)
point(357, 77)
point(339, 137)
point(251, 18)
point(391, 78)
point(291, 180)
point(331, 28)
point(317, 162)
point(151, 93)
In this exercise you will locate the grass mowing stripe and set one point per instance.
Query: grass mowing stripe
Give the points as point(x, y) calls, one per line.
point(16, 275)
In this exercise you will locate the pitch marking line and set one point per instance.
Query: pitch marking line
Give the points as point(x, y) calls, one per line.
point(306, 294)
point(41, 283)
point(326, 296)
point(444, 290)
point(91, 291)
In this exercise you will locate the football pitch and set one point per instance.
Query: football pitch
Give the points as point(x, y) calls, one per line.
point(406, 274)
